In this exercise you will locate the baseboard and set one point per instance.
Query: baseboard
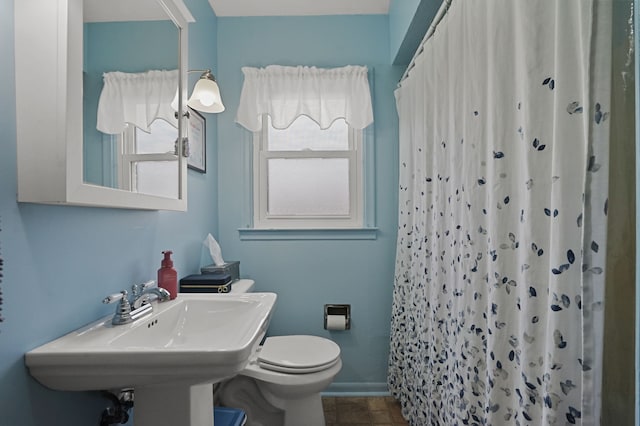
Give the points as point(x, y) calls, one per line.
point(356, 389)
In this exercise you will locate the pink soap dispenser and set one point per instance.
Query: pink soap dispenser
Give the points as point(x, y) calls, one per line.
point(167, 276)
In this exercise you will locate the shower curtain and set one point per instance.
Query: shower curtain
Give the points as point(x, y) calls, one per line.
point(498, 298)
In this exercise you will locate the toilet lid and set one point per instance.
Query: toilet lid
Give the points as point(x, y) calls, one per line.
point(298, 354)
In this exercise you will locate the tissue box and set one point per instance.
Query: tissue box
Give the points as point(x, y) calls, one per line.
point(206, 283)
point(231, 267)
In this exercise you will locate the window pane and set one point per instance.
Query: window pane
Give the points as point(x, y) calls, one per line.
point(305, 134)
point(157, 178)
point(308, 186)
point(162, 138)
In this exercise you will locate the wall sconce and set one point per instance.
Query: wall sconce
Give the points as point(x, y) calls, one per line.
point(206, 94)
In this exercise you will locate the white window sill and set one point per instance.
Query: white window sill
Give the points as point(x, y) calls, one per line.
point(308, 234)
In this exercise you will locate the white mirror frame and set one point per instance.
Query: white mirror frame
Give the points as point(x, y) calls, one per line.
point(48, 64)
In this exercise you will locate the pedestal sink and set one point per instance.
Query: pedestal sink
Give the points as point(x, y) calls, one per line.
point(170, 358)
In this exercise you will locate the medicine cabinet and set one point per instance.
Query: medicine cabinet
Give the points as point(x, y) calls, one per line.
point(51, 51)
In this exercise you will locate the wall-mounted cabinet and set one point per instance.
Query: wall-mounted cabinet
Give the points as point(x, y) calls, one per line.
point(55, 164)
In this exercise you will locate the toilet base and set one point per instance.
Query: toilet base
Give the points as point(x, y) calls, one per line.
point(265, 409)
point(303, 412)
point(242, 392)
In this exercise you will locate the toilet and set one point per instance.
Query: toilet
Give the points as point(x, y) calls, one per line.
point(281, 385)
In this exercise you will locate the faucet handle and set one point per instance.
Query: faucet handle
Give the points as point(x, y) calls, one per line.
point(138, 289)
point(123, 309)
point(115, 297)
point(147, 284)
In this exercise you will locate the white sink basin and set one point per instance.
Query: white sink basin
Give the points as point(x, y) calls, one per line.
point(194, 339)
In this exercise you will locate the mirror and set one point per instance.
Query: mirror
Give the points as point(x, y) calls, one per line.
point(65, 60)
point(130, 77)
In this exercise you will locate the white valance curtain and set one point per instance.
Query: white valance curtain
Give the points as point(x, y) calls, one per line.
point(136, 98)
point(322, 94)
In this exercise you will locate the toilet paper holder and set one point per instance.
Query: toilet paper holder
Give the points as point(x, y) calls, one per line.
point(338, 310)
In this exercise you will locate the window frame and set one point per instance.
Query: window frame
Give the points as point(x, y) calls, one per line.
point(262, 219)
point(126, 148)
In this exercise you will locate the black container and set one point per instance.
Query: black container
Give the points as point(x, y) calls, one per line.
point(206, 283)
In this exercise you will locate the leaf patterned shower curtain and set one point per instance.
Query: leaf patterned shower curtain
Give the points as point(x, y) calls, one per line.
point(499, 283)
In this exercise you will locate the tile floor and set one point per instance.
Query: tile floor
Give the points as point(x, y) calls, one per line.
point(370, 411)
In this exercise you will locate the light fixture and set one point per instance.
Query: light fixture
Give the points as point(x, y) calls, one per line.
point(206, 94)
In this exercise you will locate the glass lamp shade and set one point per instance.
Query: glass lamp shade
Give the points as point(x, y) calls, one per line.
point(206, 95)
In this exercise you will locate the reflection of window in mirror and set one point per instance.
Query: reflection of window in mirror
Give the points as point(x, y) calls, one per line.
point(147, 162)
point(121, 41)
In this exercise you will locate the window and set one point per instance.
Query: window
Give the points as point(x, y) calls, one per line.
point(306, 177)
point(148, 163)
point(140, 128)
point(309, 174)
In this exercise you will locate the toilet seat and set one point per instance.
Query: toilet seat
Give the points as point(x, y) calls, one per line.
point(303, 370)
point(298, 354)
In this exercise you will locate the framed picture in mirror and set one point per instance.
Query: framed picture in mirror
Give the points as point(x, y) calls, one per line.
point(197, 142)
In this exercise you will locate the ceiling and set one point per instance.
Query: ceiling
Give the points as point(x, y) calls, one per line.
point(299, 7)
point(141, 10)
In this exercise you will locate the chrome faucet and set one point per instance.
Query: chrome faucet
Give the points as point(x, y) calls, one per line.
point(129, 311)
point(143, 294)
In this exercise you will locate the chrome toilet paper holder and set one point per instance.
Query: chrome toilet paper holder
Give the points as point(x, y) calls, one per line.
point(338, 310)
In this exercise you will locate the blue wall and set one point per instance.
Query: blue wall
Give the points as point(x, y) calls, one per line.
point(308, 274)
point(408, 23)
point(400, 16)
point(61, 261)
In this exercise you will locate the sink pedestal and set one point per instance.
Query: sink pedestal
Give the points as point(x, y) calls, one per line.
point(174, 405)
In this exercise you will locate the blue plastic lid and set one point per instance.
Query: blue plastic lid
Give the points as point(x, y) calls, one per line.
point(225, 416)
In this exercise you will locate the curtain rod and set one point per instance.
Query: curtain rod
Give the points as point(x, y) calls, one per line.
point(444, 7)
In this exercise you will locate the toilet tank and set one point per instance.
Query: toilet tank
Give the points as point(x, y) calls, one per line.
point(242, 286)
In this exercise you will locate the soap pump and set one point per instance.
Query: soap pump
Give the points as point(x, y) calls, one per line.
point(167, 276)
